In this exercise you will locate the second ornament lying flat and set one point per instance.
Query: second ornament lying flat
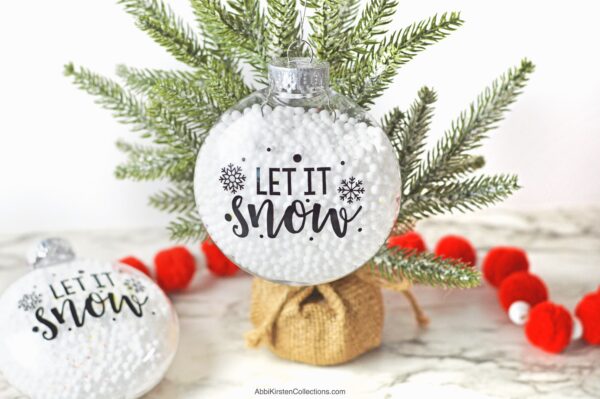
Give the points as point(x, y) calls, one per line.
point(84, 329)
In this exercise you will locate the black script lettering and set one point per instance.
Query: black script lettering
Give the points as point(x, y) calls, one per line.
point(258, 190)
point(67, 287)
point(89, 305)
point(309, 190)
point(339, 220)
point(289, 178)
point(52, 331)
point(273, 182)
point(78, 279)
point(117, 306)
point(54, 293)
point(60, 315)
point(240, 230)
point(324, 171)
point(338, 229)
point(288, 217)
point(98, 283)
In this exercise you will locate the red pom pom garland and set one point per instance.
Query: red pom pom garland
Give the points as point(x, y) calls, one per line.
point(588, 311)
point(524, 296)
point(456, 248)
point(175, 268)
point(549, 327)
point(522, 286)
point(216, 262)
point(411, 242)
point(136, 264)
point(501, 262)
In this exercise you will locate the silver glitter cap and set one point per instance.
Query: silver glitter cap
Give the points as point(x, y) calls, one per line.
point(298, 75)
point(50, 251)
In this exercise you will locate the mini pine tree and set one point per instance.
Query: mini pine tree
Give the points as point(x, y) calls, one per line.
point(174, 110)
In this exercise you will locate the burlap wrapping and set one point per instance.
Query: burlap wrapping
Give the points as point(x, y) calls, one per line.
point(321, 325)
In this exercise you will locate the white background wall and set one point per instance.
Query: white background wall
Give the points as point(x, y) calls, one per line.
point(57, 151)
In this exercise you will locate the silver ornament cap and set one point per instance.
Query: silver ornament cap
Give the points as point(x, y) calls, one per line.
point(50, 251)
point(298, 75)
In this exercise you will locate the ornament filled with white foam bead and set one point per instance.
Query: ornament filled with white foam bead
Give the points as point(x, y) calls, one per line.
point(79, 328)
point(296, 183)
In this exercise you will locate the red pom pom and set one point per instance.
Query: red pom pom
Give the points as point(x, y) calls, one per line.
point(136, 264)
point(588, 312)
point(175, 268)
point(522, 286)
point(410, 241)
point(457, 248)
point(216, 261)
point(549, 327)
point(500, 262)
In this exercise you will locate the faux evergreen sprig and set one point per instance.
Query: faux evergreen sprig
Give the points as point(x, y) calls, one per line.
point(176, 109)
point(424, 268)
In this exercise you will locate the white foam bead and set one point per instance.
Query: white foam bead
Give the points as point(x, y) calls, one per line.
point(361, 126)
point(518, 312)
point(577, 329)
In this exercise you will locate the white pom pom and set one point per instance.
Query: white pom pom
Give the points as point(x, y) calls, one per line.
point(518, 312)
point(577, 329)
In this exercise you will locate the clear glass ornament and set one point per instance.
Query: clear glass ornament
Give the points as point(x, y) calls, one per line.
point(83, 329)
point(296, 183)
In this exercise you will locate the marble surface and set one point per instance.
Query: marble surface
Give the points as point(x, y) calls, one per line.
point(470, 349)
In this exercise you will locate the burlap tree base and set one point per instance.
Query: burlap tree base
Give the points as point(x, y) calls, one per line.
point(325, 324)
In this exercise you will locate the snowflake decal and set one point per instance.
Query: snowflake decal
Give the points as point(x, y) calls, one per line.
point(30, 302)
point(232, 178)
point(134, 285)
point(351, 190)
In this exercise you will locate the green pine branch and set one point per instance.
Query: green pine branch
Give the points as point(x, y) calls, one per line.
point(283, 26)
point(185, 107)
point(461, 195)
point(368, 75)
point(424, 268)
point(143, 80)
point(176, 109)
point(447, 159)
point(223, 82)
point(187, 227)
point(176, 199)
point(409, 137)
point(125, 107)
point(371, 25)
point(146, 163)
point(169, 31)
point(239, 33)
point(392, 124)
point(348, 14)
point(327, 27)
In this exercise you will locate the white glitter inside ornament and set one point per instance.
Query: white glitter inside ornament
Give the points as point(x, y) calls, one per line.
point(296, 193)
point(86, 329)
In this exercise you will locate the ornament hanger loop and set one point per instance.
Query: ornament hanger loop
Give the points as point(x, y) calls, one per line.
point(301, 42)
